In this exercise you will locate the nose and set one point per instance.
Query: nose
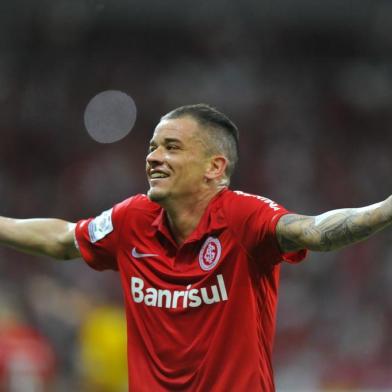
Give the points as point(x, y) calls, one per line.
point(155, 157)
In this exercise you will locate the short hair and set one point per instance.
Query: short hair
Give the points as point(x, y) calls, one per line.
point(223, 133)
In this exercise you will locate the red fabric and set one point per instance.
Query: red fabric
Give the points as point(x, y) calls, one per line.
point(201, 317)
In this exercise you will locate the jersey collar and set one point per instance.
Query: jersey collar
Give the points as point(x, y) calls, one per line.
point(211, 221)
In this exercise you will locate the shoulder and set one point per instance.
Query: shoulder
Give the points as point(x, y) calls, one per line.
point(137, 205)
point(137, 202)
point(252, 219)
point(245, 203)
point(141, 201)
point(249, 213)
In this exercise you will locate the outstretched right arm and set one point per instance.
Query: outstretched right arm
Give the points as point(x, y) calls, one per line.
point(49, 237)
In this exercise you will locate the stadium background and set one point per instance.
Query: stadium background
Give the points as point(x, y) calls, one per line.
point(309, 84)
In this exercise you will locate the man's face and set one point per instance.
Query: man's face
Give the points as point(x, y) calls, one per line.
point(177, 161)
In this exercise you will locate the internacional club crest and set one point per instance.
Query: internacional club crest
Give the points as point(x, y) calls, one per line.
point(210, 253)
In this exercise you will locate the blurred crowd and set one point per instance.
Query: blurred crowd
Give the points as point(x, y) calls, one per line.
point(310, 86)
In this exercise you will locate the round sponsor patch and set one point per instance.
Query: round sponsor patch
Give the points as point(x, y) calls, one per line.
point(210, 253)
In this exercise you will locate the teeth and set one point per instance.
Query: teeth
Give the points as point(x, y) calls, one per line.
point(158, 175)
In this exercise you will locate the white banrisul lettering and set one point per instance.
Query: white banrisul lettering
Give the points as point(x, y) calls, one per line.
point(185, 302)
point(215, 295)
point(137, 285)
point(195, 300)
point(161, 294)
point(151, 297)
point(176, 295)
point(222, 287)
point(265, 200)
point(190, 297)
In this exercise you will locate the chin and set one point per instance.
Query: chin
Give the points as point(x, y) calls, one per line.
point(156, 195)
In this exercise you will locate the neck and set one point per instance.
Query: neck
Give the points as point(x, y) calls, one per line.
point(184, 215)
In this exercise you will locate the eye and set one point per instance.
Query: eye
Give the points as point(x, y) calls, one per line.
point(151, 149)
point(172, 147)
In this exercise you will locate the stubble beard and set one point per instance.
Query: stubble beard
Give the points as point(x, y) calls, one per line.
point(156, 196)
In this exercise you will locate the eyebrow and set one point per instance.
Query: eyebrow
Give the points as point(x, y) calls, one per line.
point(167, 140)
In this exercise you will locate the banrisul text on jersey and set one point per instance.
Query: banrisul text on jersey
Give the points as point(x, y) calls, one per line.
point(190, 297)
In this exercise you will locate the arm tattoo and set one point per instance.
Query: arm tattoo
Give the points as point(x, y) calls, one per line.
point(287, 242)
point(333, 229)
point(343, 228)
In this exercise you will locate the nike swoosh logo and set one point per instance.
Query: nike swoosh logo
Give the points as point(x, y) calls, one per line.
point(138, 255)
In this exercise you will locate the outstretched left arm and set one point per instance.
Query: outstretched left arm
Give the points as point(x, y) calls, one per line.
point(333, 229)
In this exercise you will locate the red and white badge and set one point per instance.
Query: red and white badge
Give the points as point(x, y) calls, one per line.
point(210, 253)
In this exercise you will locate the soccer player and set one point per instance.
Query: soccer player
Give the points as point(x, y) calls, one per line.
point(198, 262)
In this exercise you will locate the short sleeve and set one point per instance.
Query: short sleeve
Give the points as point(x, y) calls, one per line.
point(98, 238)
point(257, 218)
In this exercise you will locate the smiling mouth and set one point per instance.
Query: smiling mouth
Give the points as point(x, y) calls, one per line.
point(156, 179)
point(158, 176)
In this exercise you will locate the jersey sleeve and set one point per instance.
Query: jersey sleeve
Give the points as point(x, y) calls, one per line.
point(257, 218)
point(98, 238)
point(267, 242)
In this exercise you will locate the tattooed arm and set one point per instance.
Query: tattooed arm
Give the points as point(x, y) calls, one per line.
point(333, 229)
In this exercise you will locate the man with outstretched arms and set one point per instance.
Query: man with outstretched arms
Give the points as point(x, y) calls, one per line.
point(198, 262)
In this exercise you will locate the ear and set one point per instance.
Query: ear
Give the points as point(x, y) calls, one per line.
point(216, 167)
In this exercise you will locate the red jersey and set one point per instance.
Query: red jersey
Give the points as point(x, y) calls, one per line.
point(200, 316)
